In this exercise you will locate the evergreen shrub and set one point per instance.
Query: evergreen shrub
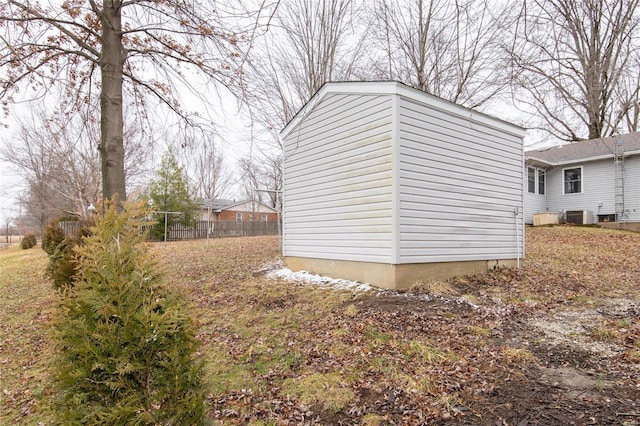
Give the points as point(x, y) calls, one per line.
point(28, 241)
point(62, 257)
point(126, 347)
point(53, 235)
point(63, 263)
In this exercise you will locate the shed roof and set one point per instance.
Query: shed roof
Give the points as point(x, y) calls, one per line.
point(589, 150)
point(397, 88)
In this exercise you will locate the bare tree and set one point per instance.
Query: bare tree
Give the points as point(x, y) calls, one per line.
point(447, 48)
point(575, 64)
point(262, 178)
point(629, 90)
point(58, 162)
point(205, 165)
point(251, 180)
point(310, 42)
point(120, 50)
point(56, 155)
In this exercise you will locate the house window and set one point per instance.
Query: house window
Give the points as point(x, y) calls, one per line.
point(536, 181)
point(265, 218)
point(238, 217)
point(531, 180)
point(251, 217)
point(572, 180)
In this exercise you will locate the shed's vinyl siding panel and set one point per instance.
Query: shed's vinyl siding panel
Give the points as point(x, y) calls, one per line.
point(598, 186)
point(460, 182)
point(338, 181)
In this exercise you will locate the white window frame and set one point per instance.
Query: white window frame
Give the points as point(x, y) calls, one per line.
point(265, 217)
point(564, 187)
point(238, 217)
point(535, 179)
point(542, 172)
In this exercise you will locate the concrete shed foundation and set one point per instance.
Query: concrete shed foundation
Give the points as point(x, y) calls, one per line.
point(626, 226)
point(393, 277)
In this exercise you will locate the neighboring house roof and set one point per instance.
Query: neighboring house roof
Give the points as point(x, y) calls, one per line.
point(589, 150)
point(397, 88)
point(219, 205)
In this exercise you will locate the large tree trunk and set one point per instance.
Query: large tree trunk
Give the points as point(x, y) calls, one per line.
point(111, 124)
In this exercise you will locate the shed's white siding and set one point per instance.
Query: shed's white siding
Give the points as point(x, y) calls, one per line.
point(338, 180)
point(383, 173)
point(460, 182)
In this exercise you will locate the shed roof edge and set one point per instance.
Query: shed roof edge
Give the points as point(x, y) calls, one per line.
point(398, 88)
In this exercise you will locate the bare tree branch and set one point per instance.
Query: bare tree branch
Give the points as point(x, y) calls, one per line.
point(576, 62)
point(446, 48)
point(140, 49)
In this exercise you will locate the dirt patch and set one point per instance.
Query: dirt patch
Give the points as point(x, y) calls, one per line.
point(554, 372)
point(575, 373)
point(416, 304)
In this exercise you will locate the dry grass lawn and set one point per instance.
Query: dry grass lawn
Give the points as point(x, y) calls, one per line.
point(556, 342)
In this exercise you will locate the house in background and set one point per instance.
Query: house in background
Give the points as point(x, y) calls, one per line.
point(237, 211)
point(594, 181)
point(389, 185)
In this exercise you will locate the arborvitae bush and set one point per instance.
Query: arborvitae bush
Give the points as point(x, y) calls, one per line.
point(62, 257)
point(53, 235)
point(63, 263)
point(126, 345)
point(28, 241)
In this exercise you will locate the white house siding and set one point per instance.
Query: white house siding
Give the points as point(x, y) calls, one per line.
point(460, 182)
point(598, 189)
point(338, 180)
point(632, 188)
point(533, 203)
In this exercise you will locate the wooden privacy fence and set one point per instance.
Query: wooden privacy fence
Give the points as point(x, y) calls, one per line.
point(219, 230)
point(199, 230)
point(70, 227)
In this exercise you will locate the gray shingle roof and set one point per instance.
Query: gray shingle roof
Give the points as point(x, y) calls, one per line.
point(585, 150)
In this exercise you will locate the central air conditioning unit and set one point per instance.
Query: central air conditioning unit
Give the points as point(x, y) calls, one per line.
point(578, 217)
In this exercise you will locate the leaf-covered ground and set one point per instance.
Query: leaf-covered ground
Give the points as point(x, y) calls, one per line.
point(556, 342)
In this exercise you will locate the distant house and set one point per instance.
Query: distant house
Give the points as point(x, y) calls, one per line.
point(586, 182)
point(387, 184)
point(237, 211)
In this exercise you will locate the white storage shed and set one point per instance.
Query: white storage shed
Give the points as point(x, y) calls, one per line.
point(389, 185)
